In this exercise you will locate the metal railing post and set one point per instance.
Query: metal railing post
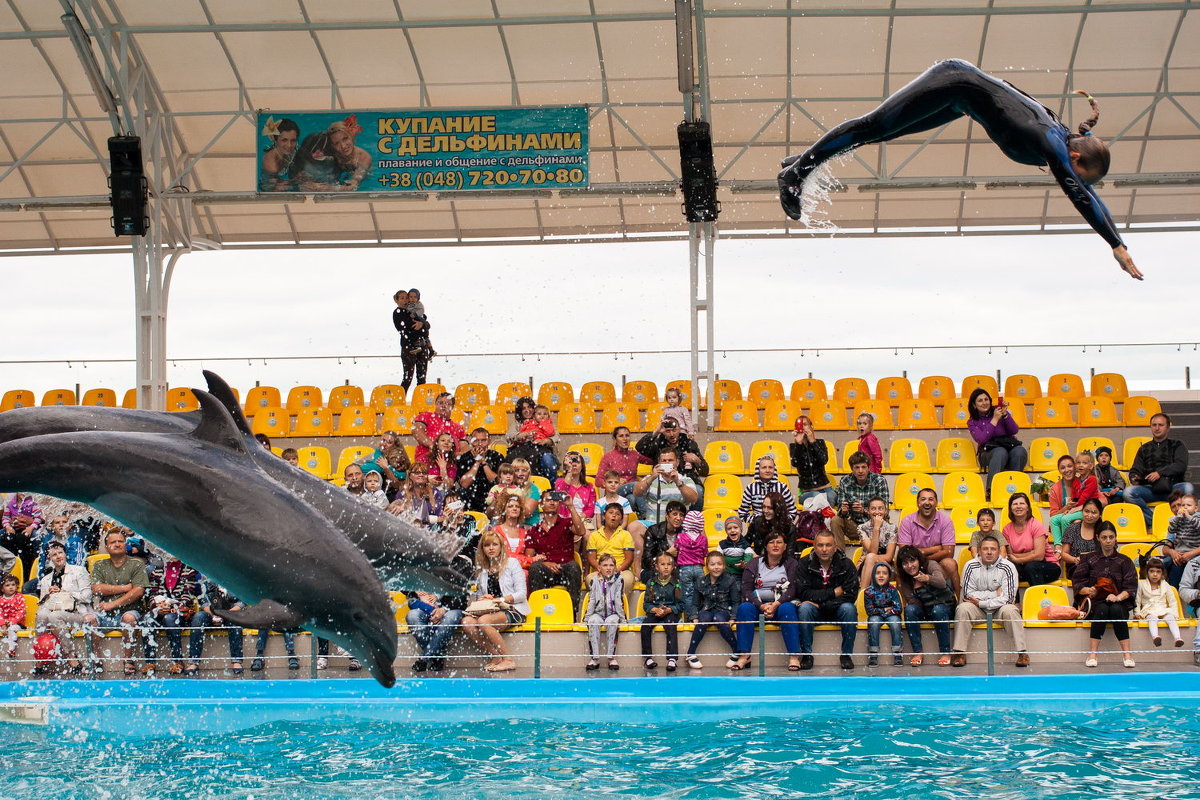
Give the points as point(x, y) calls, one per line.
point(762, 645)
point(312, 661)
point(991, 645)
point(537, 647)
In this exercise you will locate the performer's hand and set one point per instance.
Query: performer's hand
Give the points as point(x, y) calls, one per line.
point(1121, 254)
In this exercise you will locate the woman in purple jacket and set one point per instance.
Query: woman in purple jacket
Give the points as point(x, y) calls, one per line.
point(995, 431)
point(768, 588)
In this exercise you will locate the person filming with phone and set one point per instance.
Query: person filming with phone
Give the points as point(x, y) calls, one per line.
point(995, 431)
point(664, 483)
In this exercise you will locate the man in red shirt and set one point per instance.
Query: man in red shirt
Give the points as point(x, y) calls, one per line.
point(428, 425)
point(551, 546)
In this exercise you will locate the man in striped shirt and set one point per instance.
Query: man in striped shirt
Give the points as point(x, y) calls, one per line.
point(989, 583)
point(763, 484)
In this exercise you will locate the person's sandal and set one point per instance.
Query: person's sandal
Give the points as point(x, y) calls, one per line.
point(130, 668)
point(944, 660)
point(1091, 662)
point(916, 660)
point(191, 670)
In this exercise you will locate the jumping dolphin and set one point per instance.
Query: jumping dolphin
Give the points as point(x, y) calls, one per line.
point(408, 558)
point(202, 496)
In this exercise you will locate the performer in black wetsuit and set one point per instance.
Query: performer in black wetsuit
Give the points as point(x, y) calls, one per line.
point(1027, 132)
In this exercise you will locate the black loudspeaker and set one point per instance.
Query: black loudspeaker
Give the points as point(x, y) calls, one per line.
point(127, 186)
point(699, 175)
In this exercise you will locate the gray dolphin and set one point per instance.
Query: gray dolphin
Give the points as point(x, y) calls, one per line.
point(202, 496)
point(407, 557)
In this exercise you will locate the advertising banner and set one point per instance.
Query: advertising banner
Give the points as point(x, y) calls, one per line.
point(423, 150)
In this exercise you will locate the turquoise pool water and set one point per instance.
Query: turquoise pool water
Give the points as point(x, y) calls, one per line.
point(945, 740)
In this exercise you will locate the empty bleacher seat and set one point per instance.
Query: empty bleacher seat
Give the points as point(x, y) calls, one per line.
point(738, 415)
point(1022, 388)
point(1051, 412)
point(1160, 520)
point(272, 421)
point(973, 382)
point(849, 449)
point(17, 398)
point(554, 395)
point(1129, 521)
point(301, 398)
point(387, 395)
point(1097, 412)
point(317, 461)
point(962, 489)
point(597, 393)
point(614, 415)
point(348, 456)
point(780, 415)
point(507, 394)
point(916, 415)
point(725, 456)
point(100, 397)
point(1138, 410)
point(313, 422)
point(130, 400)
point(893, 390)
point(1129, 450)
point(1008, 483)
point(722, 491)
point(640, 393)
point(777, 450)
point(1065, 385)
point(828, 415)
point(937, 389)
point(1110, 385)
point(471, 395)
point(722, 392)
point(59, 397)
point(654, 414)
point(398, 419)
point(181, 398)
point(461, 417)
point(493, 419)
point(1044, 452)
point(806, 390)
point(262, 397)
point(879, 409)
point(354, 421)
point(577, 418)
point(850, 391)
point(956, 453)
point(909, 455)
point(954, 413)
point(424, 395)
point(763, 390)
point(345, 397)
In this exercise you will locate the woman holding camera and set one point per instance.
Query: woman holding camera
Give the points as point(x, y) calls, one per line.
point(995, 431)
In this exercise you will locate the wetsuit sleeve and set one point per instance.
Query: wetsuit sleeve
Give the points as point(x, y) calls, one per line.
point(1085, 200)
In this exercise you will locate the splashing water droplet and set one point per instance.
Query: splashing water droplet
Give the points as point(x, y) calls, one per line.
point(818, 191)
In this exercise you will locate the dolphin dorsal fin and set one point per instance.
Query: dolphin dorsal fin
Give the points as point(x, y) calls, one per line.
point(216, 425)
point(220, 390)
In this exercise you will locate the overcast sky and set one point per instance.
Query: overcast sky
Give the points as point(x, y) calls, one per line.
point(819, 293)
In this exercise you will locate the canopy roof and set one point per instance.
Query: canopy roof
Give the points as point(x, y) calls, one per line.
point(772, 74)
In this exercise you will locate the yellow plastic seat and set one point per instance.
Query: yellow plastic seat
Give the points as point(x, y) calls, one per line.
point(398, 419)
point(542, 483)
point(780, 415)
point(592, 455)
point(685, 391)
point(347, 457)
point(59, 397)
point(553, 607)
point(17, 398)
point(128, 401)
point(722, 491)
point(723, 391)
point(597, 393)
point(962, 489)
point(577, 418)
point(893, 390)
point(1129, 449)
point(260, 397)
point(272, 421)
point(1128, 520)
point(909, 455)
point(1052, 412)
point(387, 395)
point(776, 448)
point(461, 417)
point(1110, 385)
point(1045, 451)
point(831, 458)
point(973, 382)
point(954, 413)
point(640, 393)
point(1134, 549)
point(1044, 594)
point(955, 453)
point(879, 409)
point(1160, 521)
point(1097, 412)
point(738, 415)
point(90, 561)
point(493, 419)
point(1065, 385)
point(301, 398)
point(654, 415)
point(1137, 411)
point(355, 421)
point(908, 485)
point(763, 390)
point(614, 415)
point(937, 389)
point(1008, 483)
point(916, 415)
point(31, 607)
point(313, 422)
point(471, 395)
point(849, 449)
point(714, 521)
point(828, 415)
point(507, 394)
point(851, 392)
point(181, 398)
point(1088, 444)
point(423, 397)
point(554, 395)
point(316, 460)
point(100, 397)
point(1021, 389)
point(807, 390)
point(18, 570)
point(345, 396)
point(725, 457)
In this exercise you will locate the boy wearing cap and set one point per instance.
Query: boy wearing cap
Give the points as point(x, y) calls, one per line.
point(1109, 478)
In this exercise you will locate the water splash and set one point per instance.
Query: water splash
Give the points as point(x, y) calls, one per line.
point(817, 200)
